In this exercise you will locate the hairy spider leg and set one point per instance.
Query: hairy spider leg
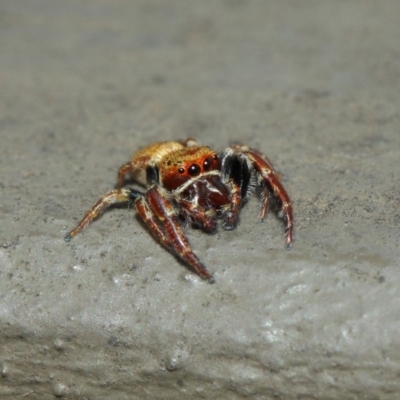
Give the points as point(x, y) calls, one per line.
point(264, 193)
point(236, 174)
point(271, 179)
point(159, 215)
point(105, 201)
point(151, 221)
point(232, 214)
point(133, 167)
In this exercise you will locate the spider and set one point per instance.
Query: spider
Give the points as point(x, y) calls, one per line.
point(189, 182)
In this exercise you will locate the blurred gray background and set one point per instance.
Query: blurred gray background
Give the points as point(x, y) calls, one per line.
point(111, 315)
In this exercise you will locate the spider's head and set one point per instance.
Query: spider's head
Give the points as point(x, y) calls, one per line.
point(182, 165)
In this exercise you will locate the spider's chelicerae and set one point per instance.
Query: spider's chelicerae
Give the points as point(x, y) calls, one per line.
point(189, 182)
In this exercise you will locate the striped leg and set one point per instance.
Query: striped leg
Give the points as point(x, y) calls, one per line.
point(232, 214)
point(236, 174)
point(159, 215)
point(114, 196)
point(267, 174)
point(270, 178)
point(135, 168)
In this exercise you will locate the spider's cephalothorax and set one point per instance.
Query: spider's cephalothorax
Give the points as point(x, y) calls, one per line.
point(189, 182)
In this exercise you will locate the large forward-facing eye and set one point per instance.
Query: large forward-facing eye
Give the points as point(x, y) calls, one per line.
point(194, 170)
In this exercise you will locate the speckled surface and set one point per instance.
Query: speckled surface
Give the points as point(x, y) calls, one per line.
point(314, 85)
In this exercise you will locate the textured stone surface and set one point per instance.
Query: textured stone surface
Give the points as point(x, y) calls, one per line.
point(314, 85)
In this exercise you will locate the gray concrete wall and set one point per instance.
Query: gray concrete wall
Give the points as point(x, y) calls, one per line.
point(111, 315)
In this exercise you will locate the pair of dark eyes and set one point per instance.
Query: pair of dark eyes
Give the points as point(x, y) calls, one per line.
point(195, 169)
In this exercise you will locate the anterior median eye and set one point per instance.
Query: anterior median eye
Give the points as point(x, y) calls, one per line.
point(194, 170)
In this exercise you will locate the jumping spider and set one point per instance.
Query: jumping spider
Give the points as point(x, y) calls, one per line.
point(190, 182)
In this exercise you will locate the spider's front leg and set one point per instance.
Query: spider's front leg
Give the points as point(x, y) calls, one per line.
point(159, 215)
point(236, 175)
point(247, 159)
point(268, 175)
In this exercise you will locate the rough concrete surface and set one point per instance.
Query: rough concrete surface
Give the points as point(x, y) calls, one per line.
point(111, 315)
